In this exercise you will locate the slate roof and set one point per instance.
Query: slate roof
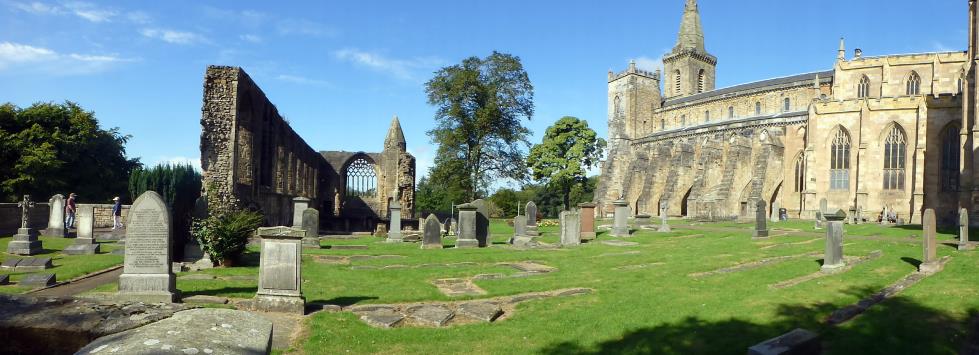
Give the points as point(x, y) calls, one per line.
point(764, 84)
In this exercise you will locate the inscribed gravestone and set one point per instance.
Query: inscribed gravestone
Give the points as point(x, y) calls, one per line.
point(519, 225)
point(963, 229)
point(570, 228)
point(56, 217)
point(833, 258)
point(531, 210)
point(394, 234)
point(432, 237)
point(147, 274)
point(929, 244)
point(280, 271)
point(299, 205)
point(587, 221)
point(761, 219)
point(467, 227)
point(311, 224)
point(482, 223)
point(620, 221)
point(85, 239)
point(774, 212)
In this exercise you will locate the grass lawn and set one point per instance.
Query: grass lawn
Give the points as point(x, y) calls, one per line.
point(650, 310)
point(66, 267)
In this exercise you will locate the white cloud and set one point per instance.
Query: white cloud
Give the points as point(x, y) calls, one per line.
point(90, 12)
point(649, 64)
point(37, 8)
point(304, 27)
point(251, 38)
point(30, 58)
point(295, 79)
point(139, 17)
point(171, 36)
point(399, 68)
point(81, 9)
point(178, 160)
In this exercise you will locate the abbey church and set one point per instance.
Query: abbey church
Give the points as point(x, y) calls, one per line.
point(870, 135)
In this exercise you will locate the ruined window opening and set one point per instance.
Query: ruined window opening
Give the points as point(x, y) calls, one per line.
point(361, 179)
point(895, 148)
point(707, 116)
point(676, 74)
point(618, 107)
point(914, 84)
point(701, 81)
point(787, 105)
point(730, 112)
point(839, 173)
point(662, 124)
point(800, 173)
point(950, 159)
point(683, 121)
point(758, 108)
point(863, 89)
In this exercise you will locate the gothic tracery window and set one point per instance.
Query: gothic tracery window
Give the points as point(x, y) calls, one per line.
point(949, 174)
point(361, 179)
point(895, 148)
point(839, 162)
point(800, 173)
point(914, 84)
point(863, 89)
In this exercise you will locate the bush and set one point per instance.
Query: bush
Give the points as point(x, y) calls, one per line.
point(224, 237)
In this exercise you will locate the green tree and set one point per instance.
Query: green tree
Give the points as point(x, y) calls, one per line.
point(179, 185)
point(480, 105)
point(53, 148)
point(568, 150)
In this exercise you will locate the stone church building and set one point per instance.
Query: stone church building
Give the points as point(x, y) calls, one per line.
point(895, 133)
point(253, 159)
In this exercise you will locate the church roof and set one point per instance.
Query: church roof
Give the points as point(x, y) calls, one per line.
point(755, 86)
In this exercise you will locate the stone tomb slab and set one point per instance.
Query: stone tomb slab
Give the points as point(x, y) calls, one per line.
point(4, 279)
point(483, 311)
point(30, 264)
point(37, 280)
point(619, 243)
point(432, 315)
point(348, 247)
point(83, 249)
point(382, 318)
point(458, 287)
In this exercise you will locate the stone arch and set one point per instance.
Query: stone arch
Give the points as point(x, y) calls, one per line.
point(364, 169)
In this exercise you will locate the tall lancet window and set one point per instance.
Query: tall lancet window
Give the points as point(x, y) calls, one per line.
point(701, 84)
point(617, 106)
point(676, 83)
point(914, 84)
point(839, 161)
point(758, 109)
point(949, 174)
point(730, 112)
point(863, 88)
point(800, 173)
point(895, 148)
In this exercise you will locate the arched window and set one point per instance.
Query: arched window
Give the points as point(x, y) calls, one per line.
point(786, 105)
point(960, 86)
point(895, 148)
point(800, 173)
point(676, 76)
point(700, 81)
point(617, 106)
point(914, 84)
point(662, 124)
point(757, 108)
point(950, 159)
point(706, 116)
point(839, 162)
point(863, 88)
point(730, 112)
point(361, 179)
point(683, 121)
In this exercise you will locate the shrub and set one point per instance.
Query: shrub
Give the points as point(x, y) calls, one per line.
point(224, 237)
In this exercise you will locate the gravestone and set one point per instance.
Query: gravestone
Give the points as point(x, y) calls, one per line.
point(421, 226)
point(37, 280)
point(56, 217)
point(25, 241)
point(394, 234)
point(620, 221)
point(819, 220)
point(147, 275)
point(451, 226)
point(833, 259)
point(642, 220)
point(280, 271)
point(84, 238)
point(531, 210)
point(28, 264)
point(587, 221)
point(299, 205)
point(467, 227)
point(929, 244)
point(761, 219)
point(519, 227)
point(664, 218)
point(432, 237)
point(964, 230)
point(823, 206)
point(311, 224)
point(883, 217)
point(570, 228)
point(482, 223)
point(775, 209)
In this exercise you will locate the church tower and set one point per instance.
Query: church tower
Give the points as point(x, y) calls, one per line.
point(690, 70)
point(396, 179)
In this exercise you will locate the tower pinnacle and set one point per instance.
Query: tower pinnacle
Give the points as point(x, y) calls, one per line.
point(691, 34)
point(396, 137)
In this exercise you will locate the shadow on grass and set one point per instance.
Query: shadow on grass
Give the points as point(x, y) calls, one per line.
point(914, 262)
point(896, 326)
point(345, 301)
point(220, 291)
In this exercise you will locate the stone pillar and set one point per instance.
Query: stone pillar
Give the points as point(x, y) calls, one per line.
point(299, 205)
point(147, 275)
point(85, 238)
point(394, 233)
point(964, 230)
point(929, 244)
point(56, 217)
point(570, 228)
point(620, 222)
point(761, 219)
point(432, 237)
point(833, 260)
point(774, 212)
point(467, 227)
point(531, 210)
point(280, 278)
point(311, 224)
point(587, 221)
point(664, 218)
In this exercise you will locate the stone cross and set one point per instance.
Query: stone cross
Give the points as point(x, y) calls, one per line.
point(964, 229)
point(25, 241)
point(664, 223)
point(25, 207)
point(929, 244)
point(761, 219)
point(833, 260)
point(620, 221)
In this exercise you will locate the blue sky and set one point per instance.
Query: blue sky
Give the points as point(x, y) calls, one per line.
point(339, 70)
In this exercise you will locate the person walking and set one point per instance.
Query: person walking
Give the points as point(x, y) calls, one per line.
point(70, 211)
point(116, 213)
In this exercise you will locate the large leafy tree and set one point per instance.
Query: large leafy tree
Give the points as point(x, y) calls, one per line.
point(53, 148)
point(568, 150)
point(480, 107)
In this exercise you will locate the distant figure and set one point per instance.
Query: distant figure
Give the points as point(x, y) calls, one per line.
point(116, 213)
point(70, 211)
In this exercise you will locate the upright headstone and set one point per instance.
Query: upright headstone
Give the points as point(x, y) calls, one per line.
point(818, 224)
point(432, 237)
point(421, 226)
point(147, 274)
point(964, 230)
point(570, 228)
point(833, 259)
point(620, 221)
point(482, 223)
point(394, 234)
point(311, 224)
point(299, 205)
point(531, 210)
point(25, 241)
point(467, 227)
point(85, 238)
point(447, 226)
point(451, 226)
point(774, 211)
point(929, 244)
point(280, 271)
point(761, 219)
point(664, 218)
point(587, 221)
point(519, 226)
point(56, 217)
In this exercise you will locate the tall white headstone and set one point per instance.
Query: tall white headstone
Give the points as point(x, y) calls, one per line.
point(147, 274)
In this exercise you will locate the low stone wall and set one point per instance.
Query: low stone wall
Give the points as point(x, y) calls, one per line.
point(103, 215)
point(10, 216)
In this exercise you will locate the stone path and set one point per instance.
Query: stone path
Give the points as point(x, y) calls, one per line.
point(850, 263)
point(81, 284)
point(753, 264)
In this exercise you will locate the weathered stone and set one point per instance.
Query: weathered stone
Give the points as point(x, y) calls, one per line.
point(195, 331)
point(531, 267)
point(587, 211)
point(83, 249)
point(929, 243)
point(964, 230)
point(37, 280)
point(24, 243)
point(796, 342)
point(56, 217)
point(570, 224)
point(664, 215)
point(34, 264)
point(451, 226)
point(205, 299)
point(458, 287)
point(311, 224)
point(280, 271)
point(10, 262)
point(467, 227)
point(147, 275)
point(432, 238)
point(483, 311)
point(519, 226)
point(833, 260)
point(761, 219)
point(299, 205)
point(394, 234)
point(432, 315)
point(531, 210)
point(482, 223)
point(642, 220)
point(4, 279)
point(85, 222)
point(620, 227)
point(525, 242)
point(382, 319)
point(774, 212)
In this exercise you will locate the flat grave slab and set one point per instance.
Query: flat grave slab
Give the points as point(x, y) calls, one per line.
point(83, 249)
point(28, 264)
point(432, 315)
point(347, 247)
point(483, 311)
point(796, 342)
point(619, 243)
point(458, 287)
point(37, 280)
point(4, 279)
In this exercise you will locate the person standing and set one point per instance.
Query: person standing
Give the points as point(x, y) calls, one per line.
point(70, 211)
point(116, 213)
